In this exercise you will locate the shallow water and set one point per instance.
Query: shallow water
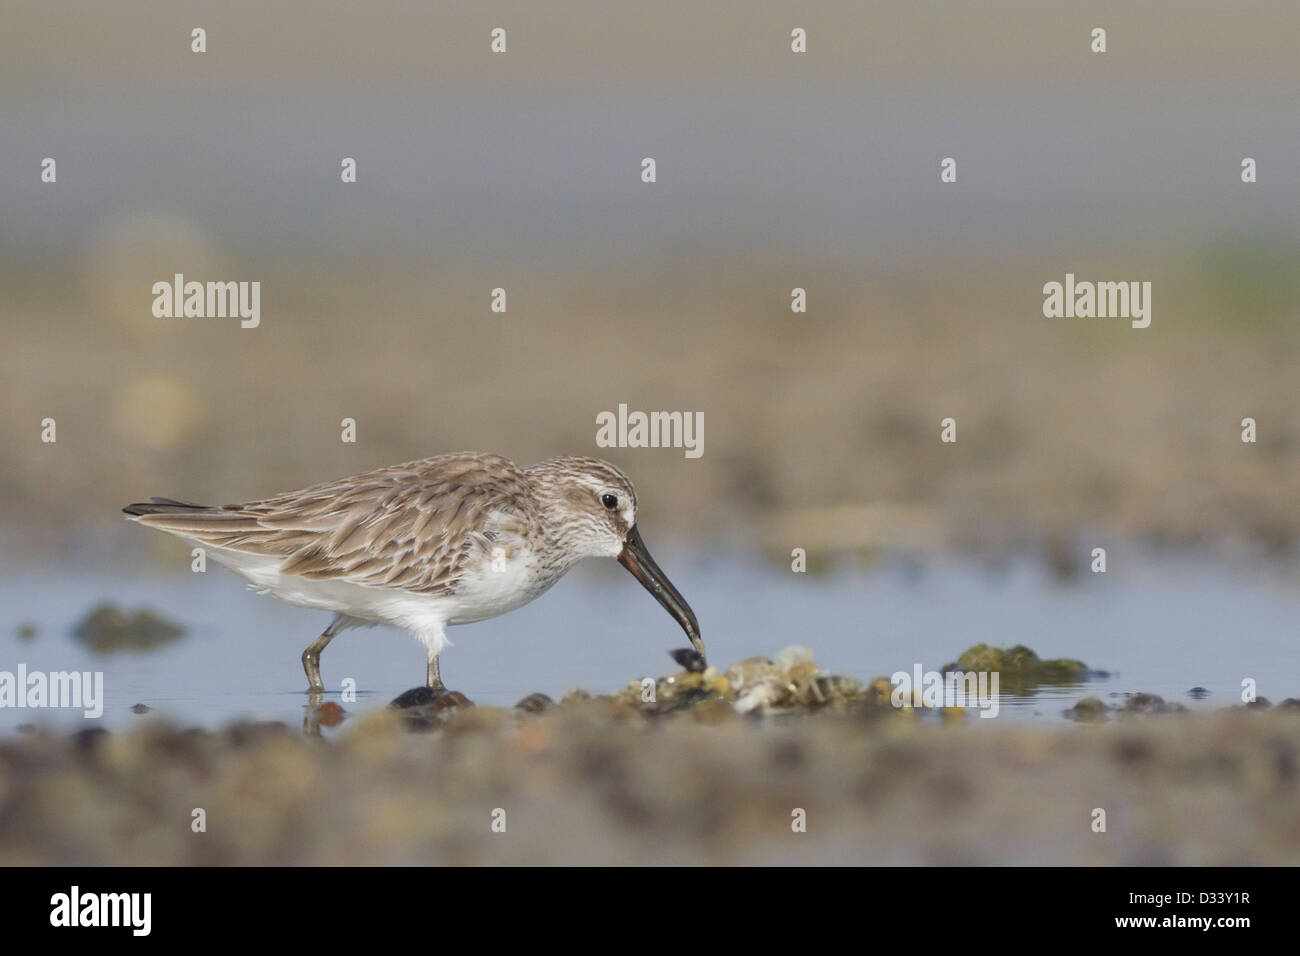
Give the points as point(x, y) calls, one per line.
point(1162, 625)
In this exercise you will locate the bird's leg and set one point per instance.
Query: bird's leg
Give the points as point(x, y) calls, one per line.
point(311, 656)
point(434, 676)
point(434, 639)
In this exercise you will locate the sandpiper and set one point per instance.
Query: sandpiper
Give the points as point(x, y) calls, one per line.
point(426, 544)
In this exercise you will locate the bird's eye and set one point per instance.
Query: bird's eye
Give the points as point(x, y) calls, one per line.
point(609, 501)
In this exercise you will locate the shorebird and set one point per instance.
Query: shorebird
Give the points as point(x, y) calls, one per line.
point(426, 544)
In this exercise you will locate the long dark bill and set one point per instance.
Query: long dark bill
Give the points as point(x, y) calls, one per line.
point(636, 559)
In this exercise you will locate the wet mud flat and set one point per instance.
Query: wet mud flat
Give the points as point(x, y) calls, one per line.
point(813, 770)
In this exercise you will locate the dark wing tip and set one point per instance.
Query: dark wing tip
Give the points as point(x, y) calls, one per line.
point(163, 506)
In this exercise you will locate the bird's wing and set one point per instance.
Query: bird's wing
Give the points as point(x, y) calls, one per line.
point(410, 526)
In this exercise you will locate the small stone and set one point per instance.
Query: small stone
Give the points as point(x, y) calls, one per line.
point(415, 697)
point(535, 704)
point(1088, 708)
point(330, 714)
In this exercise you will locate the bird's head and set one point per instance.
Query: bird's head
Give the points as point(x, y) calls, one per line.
point(590, 509)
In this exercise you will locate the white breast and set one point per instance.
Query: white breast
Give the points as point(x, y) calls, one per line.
point(507, 577)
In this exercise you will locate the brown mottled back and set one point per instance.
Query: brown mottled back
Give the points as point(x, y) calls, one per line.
point(409, 526)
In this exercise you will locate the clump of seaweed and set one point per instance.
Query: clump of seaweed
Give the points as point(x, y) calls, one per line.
point(108, 629)
point(1020, 669)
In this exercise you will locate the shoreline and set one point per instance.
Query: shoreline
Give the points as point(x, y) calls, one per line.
point(578, 785)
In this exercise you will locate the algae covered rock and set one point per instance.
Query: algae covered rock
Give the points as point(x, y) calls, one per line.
point(1089, 709)
point(108, 628)
point(1143, 704)
point(1019, 666)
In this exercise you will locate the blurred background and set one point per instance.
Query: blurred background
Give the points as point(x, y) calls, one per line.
point(775, 170)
